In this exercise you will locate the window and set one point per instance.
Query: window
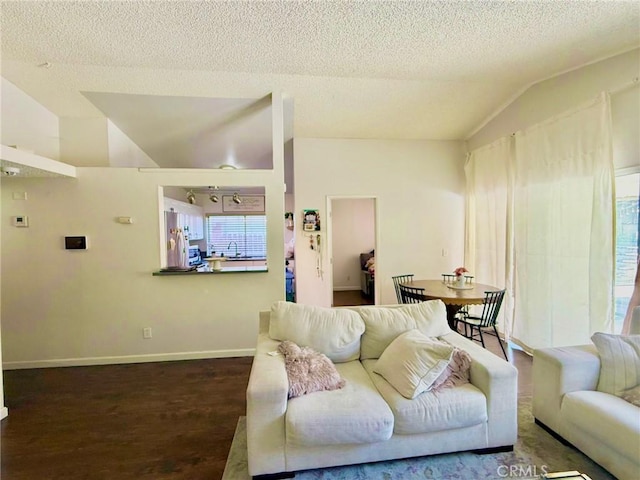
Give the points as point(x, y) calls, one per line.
point(237, 235)
point(627, 238)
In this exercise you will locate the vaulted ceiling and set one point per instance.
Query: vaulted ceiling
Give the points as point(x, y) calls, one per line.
point(390, 70)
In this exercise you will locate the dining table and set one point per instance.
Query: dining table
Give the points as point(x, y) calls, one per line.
point(453, 297)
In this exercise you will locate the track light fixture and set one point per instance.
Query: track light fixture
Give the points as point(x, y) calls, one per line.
point(236, 198)
point(191, 197)
point(212, 196)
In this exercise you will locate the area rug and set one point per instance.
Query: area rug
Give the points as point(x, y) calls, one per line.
point(535, 452)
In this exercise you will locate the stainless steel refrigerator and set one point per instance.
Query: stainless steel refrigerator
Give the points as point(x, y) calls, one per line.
point(177, 245)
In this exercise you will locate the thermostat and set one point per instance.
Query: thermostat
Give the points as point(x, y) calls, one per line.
point(20, 221)
point(75, 243)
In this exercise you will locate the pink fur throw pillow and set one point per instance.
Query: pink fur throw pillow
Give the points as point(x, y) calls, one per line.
point(456, 373)
point(308, 370)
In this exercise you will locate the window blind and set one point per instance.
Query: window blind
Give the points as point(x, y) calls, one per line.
point(248, 232)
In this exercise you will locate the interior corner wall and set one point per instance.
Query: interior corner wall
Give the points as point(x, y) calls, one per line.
point(89, 306)
point(419, 190)
point(123, 152)
point(84, 141)
point(569, 90)
point(31, 126)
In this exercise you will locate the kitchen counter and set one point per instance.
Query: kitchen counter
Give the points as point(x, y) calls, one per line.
point(245, 269)
point(243, 259)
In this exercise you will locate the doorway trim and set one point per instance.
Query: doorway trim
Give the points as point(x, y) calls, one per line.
point(329, 240)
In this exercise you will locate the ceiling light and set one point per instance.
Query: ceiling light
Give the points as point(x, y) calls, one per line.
point(10, 171)
point(191, 197)
point(236, 198)
point(227, 166)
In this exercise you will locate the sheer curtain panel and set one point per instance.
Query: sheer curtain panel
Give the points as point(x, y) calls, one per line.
point(488, 248)
point(564, 228)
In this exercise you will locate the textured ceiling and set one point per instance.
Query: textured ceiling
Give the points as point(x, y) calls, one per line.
point(406, 70)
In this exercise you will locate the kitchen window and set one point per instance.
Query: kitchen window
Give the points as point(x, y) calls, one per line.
point(237, 235)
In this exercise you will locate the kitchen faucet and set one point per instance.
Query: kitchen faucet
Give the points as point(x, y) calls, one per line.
point(236, 244)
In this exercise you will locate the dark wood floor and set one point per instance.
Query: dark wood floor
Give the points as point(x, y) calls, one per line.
point(156, 421)
point(348, 298)
point(169, 420)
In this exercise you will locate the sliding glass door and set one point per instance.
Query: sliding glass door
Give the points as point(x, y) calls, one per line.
point(627, 238)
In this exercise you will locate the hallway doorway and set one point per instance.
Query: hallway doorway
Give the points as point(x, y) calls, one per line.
point(352, 242)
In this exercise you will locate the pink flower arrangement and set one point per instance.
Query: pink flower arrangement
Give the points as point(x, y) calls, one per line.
point(460, 270)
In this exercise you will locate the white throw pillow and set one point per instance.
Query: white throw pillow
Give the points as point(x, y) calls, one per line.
point(384, 324)
point(619, 362)
point(412, 362)
point(335, 332)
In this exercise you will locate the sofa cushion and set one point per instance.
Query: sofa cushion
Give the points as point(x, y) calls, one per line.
point(604, 417)
point(384, 324)
point(354, 414)
point(445, 409)
point(333, 331)
point(413, 362)
point(308, 371)
point(619, 362)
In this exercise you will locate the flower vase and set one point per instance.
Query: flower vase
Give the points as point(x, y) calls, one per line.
point(459, 281)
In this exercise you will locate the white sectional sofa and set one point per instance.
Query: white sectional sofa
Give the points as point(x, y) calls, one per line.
point(568, 400)
point(368, 419)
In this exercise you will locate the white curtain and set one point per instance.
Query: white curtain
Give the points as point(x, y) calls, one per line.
point(564, 228)
point(488, 248)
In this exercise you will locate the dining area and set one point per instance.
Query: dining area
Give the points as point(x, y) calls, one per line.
point(458, 293)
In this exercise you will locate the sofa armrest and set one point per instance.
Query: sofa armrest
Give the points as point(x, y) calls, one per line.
point(498, 380)
point(561, 370)
point(267, 394)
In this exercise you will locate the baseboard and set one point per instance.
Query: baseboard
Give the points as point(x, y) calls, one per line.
point(157, 357)
point(3, 412)
point(346, 289)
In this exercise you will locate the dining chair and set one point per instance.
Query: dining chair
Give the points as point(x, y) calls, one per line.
point(412, 294)
point(397, 280)
point(473, 324)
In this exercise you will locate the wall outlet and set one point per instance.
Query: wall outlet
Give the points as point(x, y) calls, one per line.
point(146, 332)
point(445, 252)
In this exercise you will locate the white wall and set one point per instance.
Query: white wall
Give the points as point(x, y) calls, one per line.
point(353, 233)
point(3, 409)
point(83, 307)
point(556, 95)
point(123, 152)
point(84, 142)
point(28, 124)
point(419, 187)
point(88, 307)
